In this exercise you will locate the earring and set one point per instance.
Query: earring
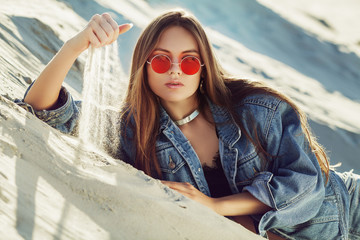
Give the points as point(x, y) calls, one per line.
point(202, 86)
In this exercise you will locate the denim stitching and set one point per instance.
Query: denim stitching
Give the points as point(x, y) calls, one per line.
point(271, 194)
point(275, 230)
point(296, 199)
point(268, 126)
point(246, 158)
point(339, 205)
point(262, 103)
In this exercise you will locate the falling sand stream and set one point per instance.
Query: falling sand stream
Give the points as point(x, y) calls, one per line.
point(103, 90)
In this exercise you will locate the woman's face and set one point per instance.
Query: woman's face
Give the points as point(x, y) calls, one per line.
point(174, 86)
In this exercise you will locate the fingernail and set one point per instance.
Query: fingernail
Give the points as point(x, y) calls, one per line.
point(131, 25)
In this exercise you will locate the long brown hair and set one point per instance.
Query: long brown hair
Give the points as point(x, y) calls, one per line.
point(143, 106)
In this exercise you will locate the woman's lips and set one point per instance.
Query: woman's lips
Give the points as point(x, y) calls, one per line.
point(174, 85)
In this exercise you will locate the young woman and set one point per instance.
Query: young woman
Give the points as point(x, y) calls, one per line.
point(236, 146)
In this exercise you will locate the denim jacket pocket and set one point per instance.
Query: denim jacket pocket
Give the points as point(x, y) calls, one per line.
point(247, 168)
point(172, 164)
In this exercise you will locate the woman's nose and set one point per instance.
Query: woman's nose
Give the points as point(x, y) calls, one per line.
point(175, 68)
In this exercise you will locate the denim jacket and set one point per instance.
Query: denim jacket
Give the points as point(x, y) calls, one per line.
point(288, 179)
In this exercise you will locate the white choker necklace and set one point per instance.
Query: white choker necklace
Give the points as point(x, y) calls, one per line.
point(187, 119)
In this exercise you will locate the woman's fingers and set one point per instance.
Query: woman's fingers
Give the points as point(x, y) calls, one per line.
point(125, 27)
point(105, 30)
point(99, 33)
point(93, 40)
point(191, 192)
point(101, 29)
point(174, 185)
point(110, 26)
point(182, 187)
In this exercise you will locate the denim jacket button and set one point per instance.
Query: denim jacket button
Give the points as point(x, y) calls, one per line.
point(171, 165)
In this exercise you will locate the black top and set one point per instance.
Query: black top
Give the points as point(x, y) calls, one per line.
point(216, 179)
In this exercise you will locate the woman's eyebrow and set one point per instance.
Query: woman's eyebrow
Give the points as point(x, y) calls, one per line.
point(186, 51)
point(191, 51)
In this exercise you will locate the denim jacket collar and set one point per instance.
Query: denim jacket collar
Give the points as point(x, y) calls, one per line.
point(226, 127)
point(165, 119)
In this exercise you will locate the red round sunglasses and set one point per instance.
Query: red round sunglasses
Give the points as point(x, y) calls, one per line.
point(161, 63)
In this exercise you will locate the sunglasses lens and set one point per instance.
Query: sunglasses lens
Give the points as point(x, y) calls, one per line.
point(190, 65)
point(160, 64)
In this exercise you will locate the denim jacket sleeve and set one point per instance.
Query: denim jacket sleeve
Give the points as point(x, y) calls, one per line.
point(293, 185)
point(64, 118)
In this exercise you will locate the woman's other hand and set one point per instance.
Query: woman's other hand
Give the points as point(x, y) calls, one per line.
point(233, 205)
point(191, 192)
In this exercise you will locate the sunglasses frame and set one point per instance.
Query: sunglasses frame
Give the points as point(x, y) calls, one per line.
point(171, 63)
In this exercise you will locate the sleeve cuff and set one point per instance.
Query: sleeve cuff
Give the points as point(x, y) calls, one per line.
point(260, 189)
point(60, 115)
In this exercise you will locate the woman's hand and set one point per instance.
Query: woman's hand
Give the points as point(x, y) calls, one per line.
point(233, 205)
point(191, 192)
point(101, 30)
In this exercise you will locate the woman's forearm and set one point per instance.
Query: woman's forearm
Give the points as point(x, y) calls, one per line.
point(239, 204)
point(45, 91)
